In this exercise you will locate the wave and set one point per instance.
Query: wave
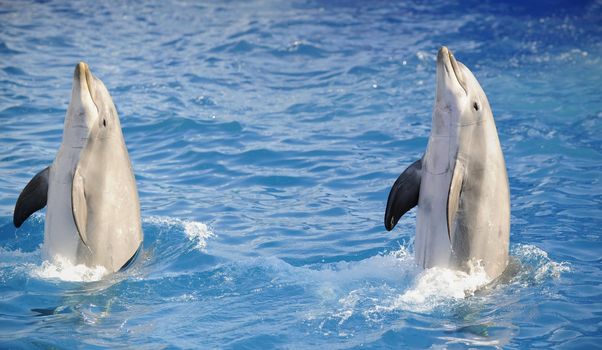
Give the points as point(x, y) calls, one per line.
point(195, 231)
point(60, 268)
point(63, 269)
point(390, 283)
point(436, 286)
point(14, 262)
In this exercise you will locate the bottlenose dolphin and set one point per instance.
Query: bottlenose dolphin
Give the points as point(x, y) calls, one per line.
point(93, 214)
point(460, 185)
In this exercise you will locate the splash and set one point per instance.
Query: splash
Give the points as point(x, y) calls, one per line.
point(540, 266)
point(63, 269)
point(59, 268)
point(393, 283)
point(407, 288)
point(195, 231)
point(438, 285)
point(9, 257)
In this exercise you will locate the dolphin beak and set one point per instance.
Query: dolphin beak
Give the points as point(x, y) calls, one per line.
point(446, 59)
point(84, 76)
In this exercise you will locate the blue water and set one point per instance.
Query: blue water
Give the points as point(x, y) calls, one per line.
point(265, 138)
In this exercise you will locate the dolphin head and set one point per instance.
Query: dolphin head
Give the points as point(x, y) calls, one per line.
point(91, 109)
point(460, 100)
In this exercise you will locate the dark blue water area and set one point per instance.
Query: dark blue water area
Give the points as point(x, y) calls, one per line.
point(265, 137)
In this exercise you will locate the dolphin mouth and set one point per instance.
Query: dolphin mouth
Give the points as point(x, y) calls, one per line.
point(82, 73)
point(85, 77)
point(446, 59)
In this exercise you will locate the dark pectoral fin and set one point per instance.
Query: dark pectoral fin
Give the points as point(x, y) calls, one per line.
point(32, 198)
point(403, 195)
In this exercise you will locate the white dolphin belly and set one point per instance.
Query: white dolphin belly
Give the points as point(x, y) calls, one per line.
point(60, 234)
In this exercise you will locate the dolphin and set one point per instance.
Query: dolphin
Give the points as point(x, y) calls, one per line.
point(460, 184)
point(93, 214)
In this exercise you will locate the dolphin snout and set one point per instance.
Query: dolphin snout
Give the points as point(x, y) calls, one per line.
point(84, 76)
point(80, 70)
point(446, 58)
point(443, 54)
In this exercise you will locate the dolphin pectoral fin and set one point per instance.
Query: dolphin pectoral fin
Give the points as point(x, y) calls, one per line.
point(79, 206)
point(32, 198)
point(404, 194)
point(453, 197)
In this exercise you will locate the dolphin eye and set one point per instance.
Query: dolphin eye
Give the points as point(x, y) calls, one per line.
point(476, 106)
point(104, 123)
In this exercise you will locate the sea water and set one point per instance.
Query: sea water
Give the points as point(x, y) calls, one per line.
point(265, 137)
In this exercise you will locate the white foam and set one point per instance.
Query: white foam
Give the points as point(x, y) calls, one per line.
point(199, 232)
point(59, 268)
point(63, 269)
point(438, 285)
point(399, 285)
point(471, 342)
point(184, 298)
point(386, 283)
point(195, 231)
point(538, 258)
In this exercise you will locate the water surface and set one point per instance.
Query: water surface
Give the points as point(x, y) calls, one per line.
point(265, 137)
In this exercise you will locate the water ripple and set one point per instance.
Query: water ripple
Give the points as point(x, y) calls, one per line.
point(265, 137)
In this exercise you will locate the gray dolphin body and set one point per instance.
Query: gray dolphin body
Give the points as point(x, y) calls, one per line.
point(460, 185)
point(93, 214)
